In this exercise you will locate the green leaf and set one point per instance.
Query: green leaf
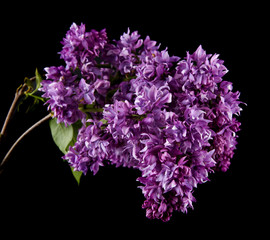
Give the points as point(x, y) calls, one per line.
point(75, 126)
point(38, 80)
point(104, 121)
point(64, 137)
point(61, 134)
point(33, 87)
point(30, 84)
point(77, 175)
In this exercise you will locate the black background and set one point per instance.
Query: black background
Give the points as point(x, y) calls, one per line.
point(37, 190)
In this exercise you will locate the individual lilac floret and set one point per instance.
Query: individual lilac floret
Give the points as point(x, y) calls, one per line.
point(87, 91)
point(150, 98)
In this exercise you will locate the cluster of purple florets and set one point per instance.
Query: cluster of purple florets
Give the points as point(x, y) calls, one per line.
point(171, 118)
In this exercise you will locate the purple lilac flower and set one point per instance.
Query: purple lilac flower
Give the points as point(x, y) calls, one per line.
point(90, 150)
point(128, 44)
point(62, 92)
point(173, 119)
point(87, 91)
point(80, 47)
point(152, 98)
point(81, 81)
point(118, 116)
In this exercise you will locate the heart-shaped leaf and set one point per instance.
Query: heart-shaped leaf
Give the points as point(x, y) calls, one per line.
point(64, 137)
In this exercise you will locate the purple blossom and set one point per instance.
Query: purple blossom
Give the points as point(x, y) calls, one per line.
point(61, 92)
point(90, 150)
point(151, 98)
point(118, 116)
point(102, 86)
point(122, 55)
point(81, 47)
point(87, 91)
point(130, 42)
point(173, 119)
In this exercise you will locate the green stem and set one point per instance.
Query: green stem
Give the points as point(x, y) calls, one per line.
point(103, 65)
point(92, 110)
point(139, 117)
point(34, 96)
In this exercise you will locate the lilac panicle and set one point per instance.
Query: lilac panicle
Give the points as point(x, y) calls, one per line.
point(173, 119)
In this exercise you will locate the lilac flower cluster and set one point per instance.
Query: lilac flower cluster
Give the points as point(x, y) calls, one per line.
point(80, 82)
point(171, 118)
